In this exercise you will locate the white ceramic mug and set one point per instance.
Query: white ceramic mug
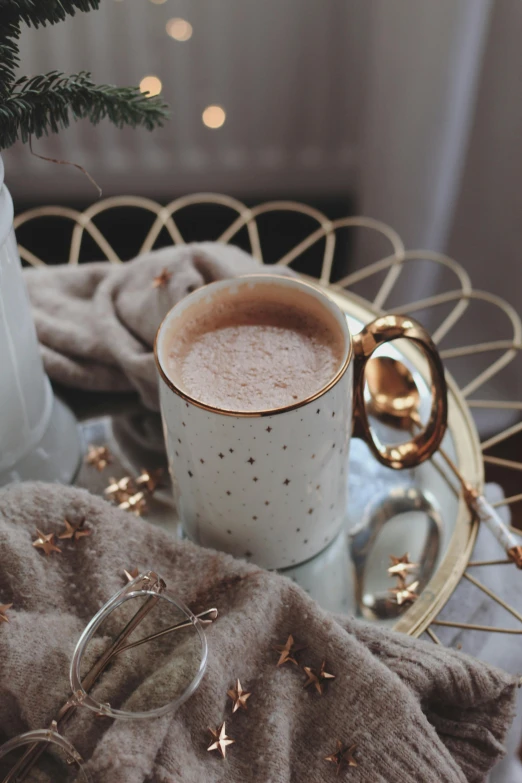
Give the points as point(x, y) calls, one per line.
point(271, 485)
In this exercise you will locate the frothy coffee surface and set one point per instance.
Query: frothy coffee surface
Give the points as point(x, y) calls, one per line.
point(253, 355)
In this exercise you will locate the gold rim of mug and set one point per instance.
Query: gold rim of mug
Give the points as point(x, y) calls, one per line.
point(270, 411)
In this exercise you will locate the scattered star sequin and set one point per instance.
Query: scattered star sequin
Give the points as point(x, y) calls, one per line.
point(401, 566)
point(75, 530)
point(98, 456)
point(239, 697)
point(405, 594)
point(135, 503)
point(317, 679)
point(251, 460)
point(344, 755)
point(286, 482)
point(46, 542)
point(120, 489)
point(221, 741)
point(150, 479)
point(288, 651)
point(161, 280)
point(269, 429)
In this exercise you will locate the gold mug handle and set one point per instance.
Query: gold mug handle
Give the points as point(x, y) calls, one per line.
point(421, 447)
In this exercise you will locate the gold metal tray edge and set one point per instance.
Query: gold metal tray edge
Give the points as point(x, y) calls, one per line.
point(469, 458)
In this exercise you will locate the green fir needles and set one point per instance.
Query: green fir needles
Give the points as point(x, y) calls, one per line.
point(46, 103)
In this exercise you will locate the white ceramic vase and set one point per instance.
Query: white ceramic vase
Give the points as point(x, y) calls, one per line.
point(39, 438)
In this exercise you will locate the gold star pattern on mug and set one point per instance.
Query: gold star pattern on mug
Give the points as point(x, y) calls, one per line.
point(221, 741)
point(317, 679)
point(161, 280)
point(45, 542)
point(239, 697)
point(4, 608)
point(75, 530)
point(405, 594)
point(344, 755)
point(288, 651)
point(401, 566)
point(98, 456)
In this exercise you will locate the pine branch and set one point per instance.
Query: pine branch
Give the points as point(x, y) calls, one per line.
point(46, 103)
point(42, 12)
point(35, 13)
point(9, 35)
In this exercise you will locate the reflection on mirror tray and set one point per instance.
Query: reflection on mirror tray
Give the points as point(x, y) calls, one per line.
point(351, 575)
point(385, 536)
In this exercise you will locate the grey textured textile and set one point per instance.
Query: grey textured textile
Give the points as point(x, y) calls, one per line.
point(418, 713)
point(96, 322)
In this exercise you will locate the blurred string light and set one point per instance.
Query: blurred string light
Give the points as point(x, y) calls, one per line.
point(214, 116)
point(179, 29)
point(151, 84)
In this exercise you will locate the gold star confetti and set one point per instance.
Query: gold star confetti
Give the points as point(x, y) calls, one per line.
point(288, 651)
point(45, 542)
point(161, 280)
point(131, 575)
point(317, 679)
point(343, 755)
point(4, 608)
point(98, 456)
point(75, 531)
point(120, 489)
point(405, 594)
point(150, 479)
point(135, 503)
point(220, 740)
point(401, 566)
point(239, 697)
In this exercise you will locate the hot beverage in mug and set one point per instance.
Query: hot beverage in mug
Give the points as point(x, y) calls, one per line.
point(258, 403)
point(262, 352)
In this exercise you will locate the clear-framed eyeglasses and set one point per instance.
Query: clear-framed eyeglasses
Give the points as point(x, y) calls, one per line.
point(141, 656)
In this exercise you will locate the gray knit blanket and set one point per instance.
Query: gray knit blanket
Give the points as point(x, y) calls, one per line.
point(415, 712)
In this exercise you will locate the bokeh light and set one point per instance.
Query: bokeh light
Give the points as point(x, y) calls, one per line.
point(214, 116)
point(179, 29)
point(151, 84)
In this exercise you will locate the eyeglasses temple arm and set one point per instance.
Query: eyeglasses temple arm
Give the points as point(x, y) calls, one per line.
point(205, 618)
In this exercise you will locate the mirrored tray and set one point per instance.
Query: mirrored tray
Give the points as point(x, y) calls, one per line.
point(389, 512)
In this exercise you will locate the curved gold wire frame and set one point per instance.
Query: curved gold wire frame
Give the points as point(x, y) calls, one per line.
point(390, 269)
